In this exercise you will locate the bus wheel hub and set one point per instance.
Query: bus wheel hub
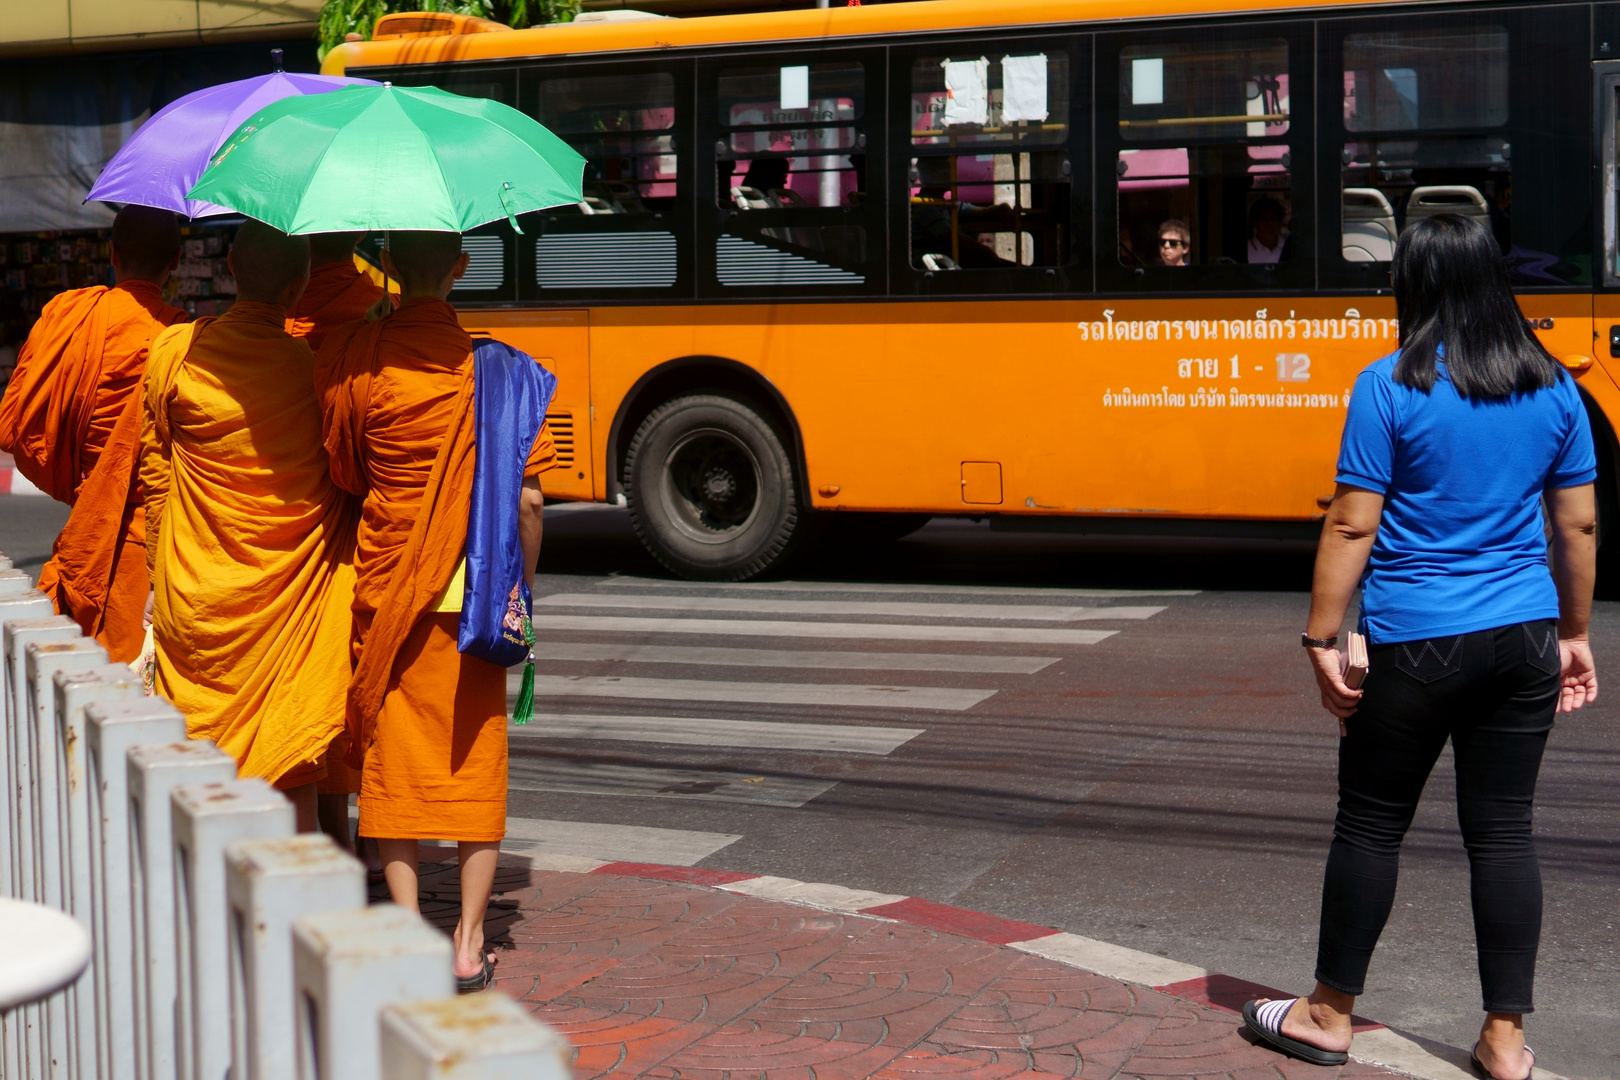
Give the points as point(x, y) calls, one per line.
point(719, 485)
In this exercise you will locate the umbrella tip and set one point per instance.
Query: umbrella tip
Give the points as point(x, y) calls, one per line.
point(275, 58)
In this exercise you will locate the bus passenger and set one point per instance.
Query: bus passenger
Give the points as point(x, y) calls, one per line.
point(1268, 240)
point(1175, 243)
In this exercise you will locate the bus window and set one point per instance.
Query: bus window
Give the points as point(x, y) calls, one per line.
point(622, 234)
point(1204, 172)
point(790, 139)
point(791, 159)
point(622, 125)
point(984, 100)
point(989, 210)
point(1005, 203)
point(1399, 85)
point(1221, 90)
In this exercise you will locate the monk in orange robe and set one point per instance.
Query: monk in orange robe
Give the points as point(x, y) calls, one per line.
point(337, 293)
point(71, 416)
point(397, 398)
point(250, 543)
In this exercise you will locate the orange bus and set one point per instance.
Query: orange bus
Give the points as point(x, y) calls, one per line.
point(1069, 264)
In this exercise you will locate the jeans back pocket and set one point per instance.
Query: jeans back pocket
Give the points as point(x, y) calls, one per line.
point(1541, 646)
point(1431, 660)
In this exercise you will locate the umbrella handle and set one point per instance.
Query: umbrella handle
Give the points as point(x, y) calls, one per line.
point(506, 204)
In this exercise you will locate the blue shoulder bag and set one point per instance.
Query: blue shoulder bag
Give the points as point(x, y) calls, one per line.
point(511, 392)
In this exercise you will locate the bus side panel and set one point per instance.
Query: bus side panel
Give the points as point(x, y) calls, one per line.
point(559, 339)
point(1086, 406)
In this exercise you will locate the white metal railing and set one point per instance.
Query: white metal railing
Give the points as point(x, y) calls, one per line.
point(223, 945)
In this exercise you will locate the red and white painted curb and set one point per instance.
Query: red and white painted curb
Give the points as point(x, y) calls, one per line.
point(1374, 1043)
point(13, 482)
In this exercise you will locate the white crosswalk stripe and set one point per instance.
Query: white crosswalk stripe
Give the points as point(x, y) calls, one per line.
point(651, 782)
point(879, 697)
point(612, 843)
point(698, 731)
point(886, 587)
point(708, 656)
point(545, 623)
point(882, 608)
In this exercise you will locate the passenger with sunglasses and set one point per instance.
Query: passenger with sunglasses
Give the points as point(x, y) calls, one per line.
point(1175, 243)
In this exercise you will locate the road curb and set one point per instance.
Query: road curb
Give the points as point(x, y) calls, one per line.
point(1375, 1044)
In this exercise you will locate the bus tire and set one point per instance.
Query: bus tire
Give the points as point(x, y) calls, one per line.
point(711, 488)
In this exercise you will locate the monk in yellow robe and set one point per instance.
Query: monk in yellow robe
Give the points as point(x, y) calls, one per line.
point(397, 399)
point(251, 544)
point(71, 416)
point(337, 293)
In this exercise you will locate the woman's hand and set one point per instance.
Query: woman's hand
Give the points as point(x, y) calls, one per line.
point(1337, 698)
point(1579, 674)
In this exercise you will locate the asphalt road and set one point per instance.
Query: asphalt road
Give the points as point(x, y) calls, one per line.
point(955, 733)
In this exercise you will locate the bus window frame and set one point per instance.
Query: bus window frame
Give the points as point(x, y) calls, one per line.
point(712, 220)
point(1071, 277)
point(677, 220)
point(1606, 108)
point(1297, 275)
point(1526, 131)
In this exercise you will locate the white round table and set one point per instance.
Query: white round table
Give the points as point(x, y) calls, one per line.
point(41, 951)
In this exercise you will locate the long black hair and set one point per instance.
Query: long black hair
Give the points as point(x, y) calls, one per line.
point(1452, 290)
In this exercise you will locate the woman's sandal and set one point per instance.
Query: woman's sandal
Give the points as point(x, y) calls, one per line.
point(1266, 1020)
point(1486, 1074)
point(479, 981)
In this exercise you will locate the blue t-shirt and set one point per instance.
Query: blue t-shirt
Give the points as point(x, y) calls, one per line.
point(1462, 545)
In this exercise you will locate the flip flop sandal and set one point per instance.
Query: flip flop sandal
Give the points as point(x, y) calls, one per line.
point(1481, 1071)
point(1265, 1020)
point(479, 982)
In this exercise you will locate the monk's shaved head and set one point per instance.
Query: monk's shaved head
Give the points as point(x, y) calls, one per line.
point(331, 247)
point(268, 264)
point(146, 242)
point(423, 259)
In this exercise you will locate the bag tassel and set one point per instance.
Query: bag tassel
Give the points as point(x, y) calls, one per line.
point(523, 711)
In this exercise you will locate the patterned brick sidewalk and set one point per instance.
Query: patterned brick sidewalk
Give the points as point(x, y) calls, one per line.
point(663, 979)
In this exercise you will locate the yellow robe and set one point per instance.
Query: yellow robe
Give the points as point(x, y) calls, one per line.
point(251, 544)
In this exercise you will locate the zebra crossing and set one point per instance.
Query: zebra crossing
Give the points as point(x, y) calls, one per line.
point(825, 681)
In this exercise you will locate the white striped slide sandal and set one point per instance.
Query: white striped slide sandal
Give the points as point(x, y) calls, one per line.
point(1266, 1019)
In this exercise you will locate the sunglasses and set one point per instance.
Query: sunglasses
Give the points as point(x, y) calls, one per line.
point(1165, 241)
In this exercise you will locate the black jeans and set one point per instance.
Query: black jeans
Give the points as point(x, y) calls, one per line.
point(1493, 693)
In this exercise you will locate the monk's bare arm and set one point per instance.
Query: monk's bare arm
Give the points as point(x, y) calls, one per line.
point(530, 509)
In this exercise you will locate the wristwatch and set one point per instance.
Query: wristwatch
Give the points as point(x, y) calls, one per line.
point(1318, 642)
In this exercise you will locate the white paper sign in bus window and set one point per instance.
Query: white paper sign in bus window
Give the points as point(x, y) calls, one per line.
point(795, 91)
point(1023, 88)
point(967, 91)
point(1147, 81)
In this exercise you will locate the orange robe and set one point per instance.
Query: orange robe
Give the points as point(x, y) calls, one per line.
point(251, 544)
point(71, 417)
point(337, 293)
point(431, 723)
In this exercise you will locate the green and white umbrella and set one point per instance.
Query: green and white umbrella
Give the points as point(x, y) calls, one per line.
point(390, 157)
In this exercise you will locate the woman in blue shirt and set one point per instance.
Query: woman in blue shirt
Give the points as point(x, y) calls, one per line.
point(1451, 448)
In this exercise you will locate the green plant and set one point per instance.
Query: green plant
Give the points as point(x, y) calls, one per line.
point(342, 17)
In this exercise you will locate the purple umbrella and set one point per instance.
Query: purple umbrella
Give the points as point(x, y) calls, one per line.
point(166, 155)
